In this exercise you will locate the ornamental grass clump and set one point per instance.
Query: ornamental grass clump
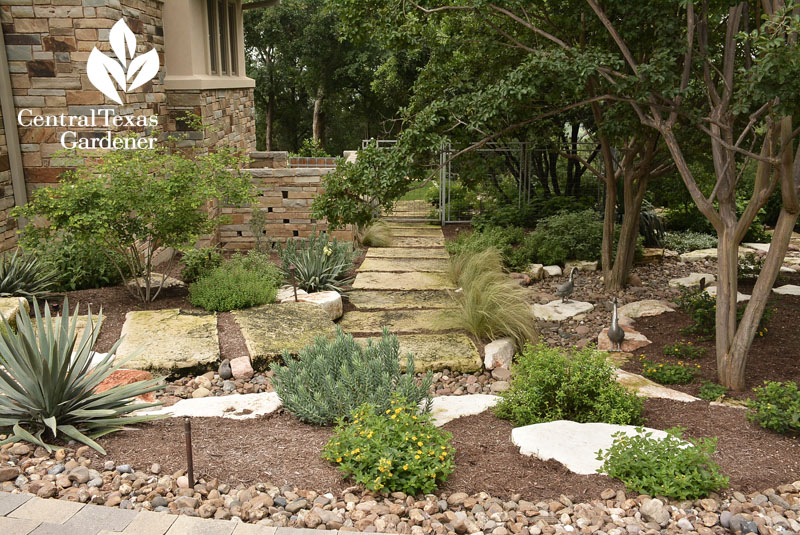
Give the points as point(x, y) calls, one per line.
point(673, 467)
point(548, 384)
point(378, 234)
point(320, 263)
point(393, 450)
point(331, 378)
point(48, 383)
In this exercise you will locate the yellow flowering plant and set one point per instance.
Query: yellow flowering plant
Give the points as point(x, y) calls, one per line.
point(669, 374)
point(398, 449)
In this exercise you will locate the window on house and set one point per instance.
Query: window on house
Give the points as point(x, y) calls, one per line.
point(223, 35)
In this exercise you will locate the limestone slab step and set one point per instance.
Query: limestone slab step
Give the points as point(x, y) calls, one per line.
point(402, 281)
point(436, 352)
point(447, 408)
point(270, 330)
point(403, 321)
point(437, 265)
point(391, 299)
point(419, 232)
point(410, 224)
point(410, 241)
point(170, 341)
point(399, 252)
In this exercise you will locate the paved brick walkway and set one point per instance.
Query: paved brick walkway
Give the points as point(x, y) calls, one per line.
point(23, 514)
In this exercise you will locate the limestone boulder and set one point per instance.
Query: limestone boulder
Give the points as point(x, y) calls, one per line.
point(448, 408)
point(582, 265)
point(12, 307)
point(234, 407)
point(573, 444)
point(651, 256)
point(552, 271)
point(330, 301)
point(740, 297)
point(700, 254)
point(633, 340)
point(645, 308)
point(286, 294)
point(536, 272)
point(787, 289)
point(558, 311)
point(499, 353)
point(692, 280)
point(646, 388)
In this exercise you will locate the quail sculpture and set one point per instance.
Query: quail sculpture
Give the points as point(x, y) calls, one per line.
point(615, 333)
point(565, 290)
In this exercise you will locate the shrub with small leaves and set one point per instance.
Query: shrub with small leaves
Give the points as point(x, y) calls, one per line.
point(392, 450)
point(702, 308)
point(548, 384)
point(673, 467)
point(199, 262)
point(776, 407)
point(232, 288)
point(669, 374)
point(711, 391)
point(331, 378)
point(684, 351)
point(683, 242)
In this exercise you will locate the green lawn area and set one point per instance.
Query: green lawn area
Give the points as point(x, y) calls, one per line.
point(420, 193)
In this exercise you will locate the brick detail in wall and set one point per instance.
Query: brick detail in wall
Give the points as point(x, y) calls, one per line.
point(285, 196)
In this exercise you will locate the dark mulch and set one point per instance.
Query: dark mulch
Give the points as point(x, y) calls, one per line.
point(282, 451)
point(774, 357)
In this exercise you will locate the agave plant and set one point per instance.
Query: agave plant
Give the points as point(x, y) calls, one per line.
point(24, 276)
point(319, 262)
point(48, 383)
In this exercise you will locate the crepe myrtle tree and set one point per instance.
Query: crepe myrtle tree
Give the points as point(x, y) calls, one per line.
point(135, 203)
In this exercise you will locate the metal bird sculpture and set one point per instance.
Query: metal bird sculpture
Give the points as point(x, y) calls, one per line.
point(615, 333)
point(565, 290)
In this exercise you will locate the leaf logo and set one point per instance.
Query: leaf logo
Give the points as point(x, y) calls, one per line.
point(103, 71)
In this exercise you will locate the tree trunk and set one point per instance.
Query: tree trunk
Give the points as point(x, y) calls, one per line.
point(609, 220)
point(318, 121)
point(633, 196)
point(553, 168)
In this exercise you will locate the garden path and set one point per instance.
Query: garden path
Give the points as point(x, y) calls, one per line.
point(405, 288)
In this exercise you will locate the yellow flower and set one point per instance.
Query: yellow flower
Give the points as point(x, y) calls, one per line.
point(369, 435)
point(338, 459)
point(405, 467)
point(388, 411)
point(419, 443)
point(416, 456)
point(394, 416)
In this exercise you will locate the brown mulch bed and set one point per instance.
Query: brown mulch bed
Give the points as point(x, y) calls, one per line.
point(279, 450)
point(773, 357)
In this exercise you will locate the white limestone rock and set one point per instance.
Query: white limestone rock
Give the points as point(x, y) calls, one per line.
point(582, 265)
point(558, 311)
point(645, 308)
point(499, 353)
point(286, 294)
point(740, 297)
point(572, 444)
point(536, 272)
point(448, 408)
point(331, 301)
point(787, 289)
point(646, 388)
point(234, 407)
point(553, 271)
point(692, 280)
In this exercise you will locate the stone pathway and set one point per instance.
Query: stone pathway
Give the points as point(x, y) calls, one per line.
point(405, 287)
point(24, 514)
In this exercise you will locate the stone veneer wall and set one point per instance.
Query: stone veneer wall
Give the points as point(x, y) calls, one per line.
point(230, 114)
point(8, 226)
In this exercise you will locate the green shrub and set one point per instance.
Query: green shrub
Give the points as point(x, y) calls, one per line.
point(776, 407)
point(392, 450)
point(683, 242)
point(548, 384)
point(668, 467)
point(750, 266)
point(687, 218)
point(77, 263)
point(684, 351)
point(377, 234)
point(490, 304)
point(711, 391)
point(566, 236)
point(311, 148)
point(24, 275)
point(330, 379)
point(198, 263)
point(232, 288)
point(257, 262)
point(48, 389)
point(501, 239)
point(320, 263)
point(703, 308)
point(669, 374)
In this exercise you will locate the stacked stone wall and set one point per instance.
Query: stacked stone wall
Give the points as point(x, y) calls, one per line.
point(8, 226)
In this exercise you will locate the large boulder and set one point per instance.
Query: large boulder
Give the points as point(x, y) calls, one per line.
point(558, 311)
point(582, 265)
point(633, 340)
point(692, 280)
point(330, 301)
point(499, 353)
point(645, 308)
point(536, 272)
point(552, 271)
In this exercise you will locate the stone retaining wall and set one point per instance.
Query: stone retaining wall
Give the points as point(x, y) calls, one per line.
point(8, 226)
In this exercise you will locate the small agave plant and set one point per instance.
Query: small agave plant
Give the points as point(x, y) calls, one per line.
point(47, 382)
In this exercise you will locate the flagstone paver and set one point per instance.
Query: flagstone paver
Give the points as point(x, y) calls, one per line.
point(413, 280)
point(405, 321)
point(404, 241)
point(406, 253)
point(445, 409)
point(419, 232)
point(438, 265)
point(170, 340)
point(270, 330)
point(391, 299)
point(454, 351)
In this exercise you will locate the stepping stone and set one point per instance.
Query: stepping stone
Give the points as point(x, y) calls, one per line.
point(740, 297)
point(406, 321)
point(234, 406)
point(270, 330)
point(366, 300)
point(582, 265)
point(633, 340)
point(558, 311)
point(403, 281)
point(692, 280)
point(407, 224)
point(646, 388)
point(419, 232)
point(573, 444)
point(399, 252)
point(404, 264)
point(436, 352)
point(447, 408)
point(10, 308)
point(170, 340)
point(403, 241)
point(787, 289)
point(762, 247)
point(645, 308)
point(704, 254)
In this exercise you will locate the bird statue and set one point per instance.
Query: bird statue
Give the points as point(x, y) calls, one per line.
point(565, 290)
point(615, 333)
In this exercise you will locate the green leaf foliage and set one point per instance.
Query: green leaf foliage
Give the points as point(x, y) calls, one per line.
point(241, 282)
point(776, 406)
point(549, 384)
point(673, 467)
point(48, 382)
point(330, 379)
point(24, 275)
point(392, 450)
point(565, 236)
point(199, 262)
